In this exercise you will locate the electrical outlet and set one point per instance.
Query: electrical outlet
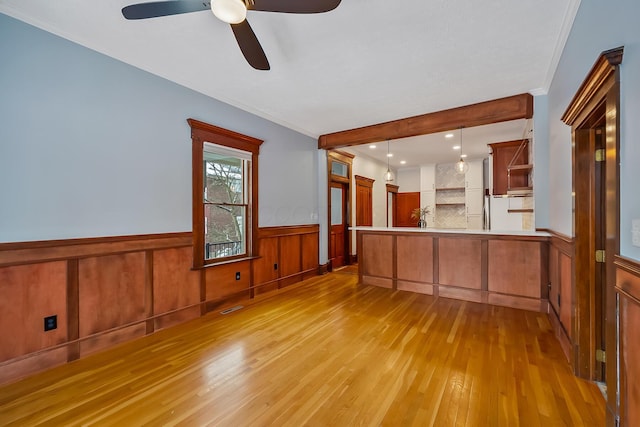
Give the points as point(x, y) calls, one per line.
point(50, 323)
point(237, 275)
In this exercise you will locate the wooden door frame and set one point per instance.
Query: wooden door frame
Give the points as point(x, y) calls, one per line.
point(393, 190)
point(602, 84)
point(347, 159)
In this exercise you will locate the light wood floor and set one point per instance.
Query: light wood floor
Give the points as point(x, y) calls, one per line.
point(328, 353)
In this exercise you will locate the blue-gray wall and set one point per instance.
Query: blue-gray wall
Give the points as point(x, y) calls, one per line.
point(541, 161)
point(598, 26)
point(90, 146)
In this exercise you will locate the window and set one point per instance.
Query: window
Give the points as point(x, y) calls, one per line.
point(225, 170)
point(226, 201)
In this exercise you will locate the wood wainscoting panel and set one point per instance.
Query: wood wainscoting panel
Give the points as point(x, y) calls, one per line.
point(265, 267)
point(376, 255)
point(566, 305)
point(415, 258)
point(630, 359)
point(290, 260)
point(627, 273)
point(108, 339)
point(523, 303)
point(554, 278)
point(175, 285)
point(419, 288)
point(111, 292)
point(515, 267)
point(175, 317)
point(310, 252)
point(29, 293)
point(462, 293)
point(221, 280)
point(31, 364)
point(377, 281)
point(460, 262)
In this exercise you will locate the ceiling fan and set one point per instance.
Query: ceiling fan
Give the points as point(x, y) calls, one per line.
point(232, 12)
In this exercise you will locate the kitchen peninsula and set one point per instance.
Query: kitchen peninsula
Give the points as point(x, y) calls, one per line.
point(485, 266)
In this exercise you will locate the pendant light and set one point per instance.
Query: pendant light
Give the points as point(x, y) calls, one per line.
point(389, 175)
point(461, 166)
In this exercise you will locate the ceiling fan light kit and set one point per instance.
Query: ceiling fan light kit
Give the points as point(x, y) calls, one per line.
point(233, 12)
point(229, 11)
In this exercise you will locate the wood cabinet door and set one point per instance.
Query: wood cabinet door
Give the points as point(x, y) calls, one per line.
point(405, 204)
point(474, 177)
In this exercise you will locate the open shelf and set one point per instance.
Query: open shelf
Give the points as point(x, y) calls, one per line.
point(523, 168)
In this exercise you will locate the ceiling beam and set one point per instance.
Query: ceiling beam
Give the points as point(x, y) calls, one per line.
point(484, 113)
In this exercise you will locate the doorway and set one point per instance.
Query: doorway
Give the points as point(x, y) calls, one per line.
point(339, 178)
point(590, 231)
point(594, 116)
point(338, 235)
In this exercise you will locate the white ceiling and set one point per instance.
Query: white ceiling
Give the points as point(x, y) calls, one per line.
point(437, 148)
point(366, 62)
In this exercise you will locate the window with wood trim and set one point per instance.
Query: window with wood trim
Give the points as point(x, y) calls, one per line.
point(225, 193)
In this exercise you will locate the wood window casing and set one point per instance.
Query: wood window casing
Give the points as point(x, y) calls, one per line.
point(203, 132)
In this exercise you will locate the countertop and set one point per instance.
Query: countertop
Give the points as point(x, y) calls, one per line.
point(531, 233)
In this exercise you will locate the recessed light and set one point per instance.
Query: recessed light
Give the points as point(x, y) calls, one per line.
point(456, 147)
point(463, 155)
point(403, 162)
point(449, 135)
point(372, 146)
point(389, 154)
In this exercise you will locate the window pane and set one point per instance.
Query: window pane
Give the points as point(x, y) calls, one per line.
point(224, 228)
point(223, 179)
point(336, 206)
point(339, 169)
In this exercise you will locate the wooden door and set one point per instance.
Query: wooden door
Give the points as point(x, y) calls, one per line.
point(364, 201)
point(338, 237)
point(405, 204)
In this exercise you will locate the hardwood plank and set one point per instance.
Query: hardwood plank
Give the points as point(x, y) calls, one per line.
point(327, 352)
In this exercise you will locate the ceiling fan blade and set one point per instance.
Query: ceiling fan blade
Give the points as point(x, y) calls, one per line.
point(250, 46)
point(294, 6)
point(164, 8)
